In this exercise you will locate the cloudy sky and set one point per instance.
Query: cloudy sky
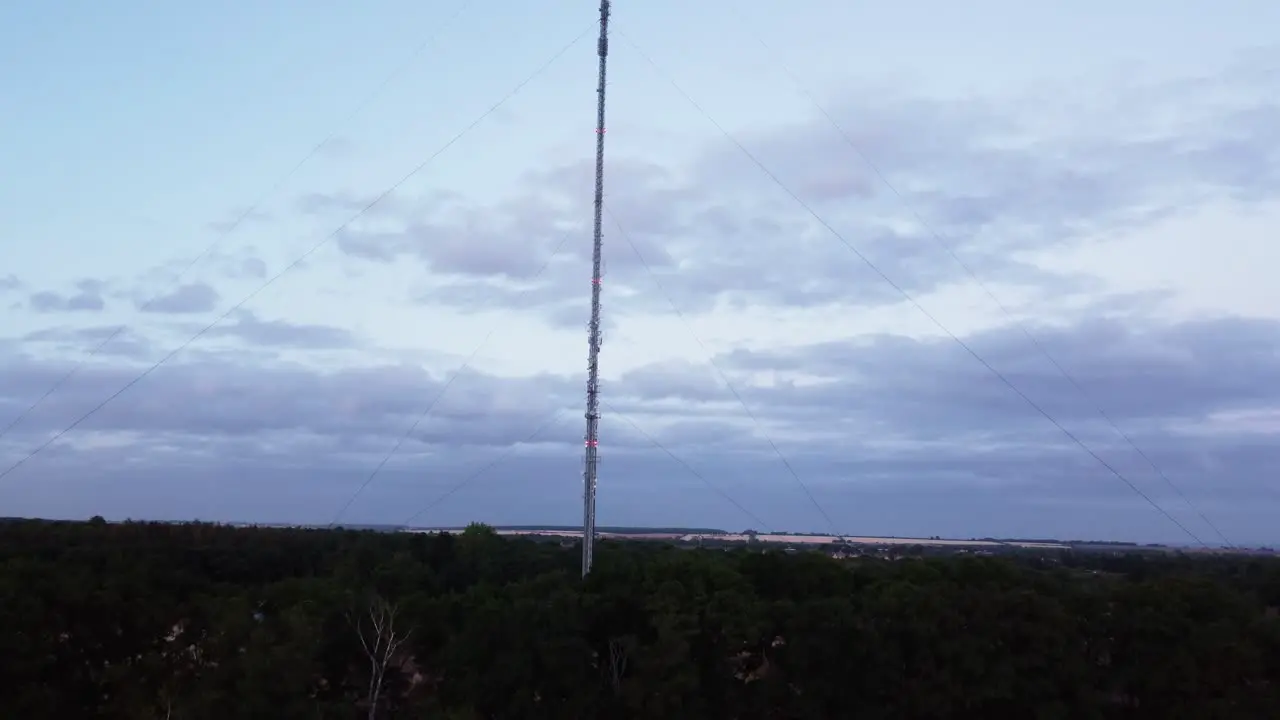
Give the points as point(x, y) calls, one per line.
point(912, 269)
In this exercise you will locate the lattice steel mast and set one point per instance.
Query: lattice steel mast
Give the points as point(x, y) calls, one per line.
point(591, 454)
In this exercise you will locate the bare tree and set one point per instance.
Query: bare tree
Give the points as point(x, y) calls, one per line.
point(617, 662)
point(380, 639)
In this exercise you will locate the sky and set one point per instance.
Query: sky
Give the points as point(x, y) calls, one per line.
point(994, 270)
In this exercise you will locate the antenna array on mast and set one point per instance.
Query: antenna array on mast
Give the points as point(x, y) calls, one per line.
point(591, 453)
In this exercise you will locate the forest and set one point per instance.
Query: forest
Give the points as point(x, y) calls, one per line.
point(202, 621)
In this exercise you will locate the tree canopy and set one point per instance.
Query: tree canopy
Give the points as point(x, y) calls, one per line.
point(149, 620)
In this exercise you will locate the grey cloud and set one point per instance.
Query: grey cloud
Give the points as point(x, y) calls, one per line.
point(892, 410)
point(451, 253)
point(234, 220)
point(678, 380)
point(337, 147)
point(257, 332)
point(197, 297)
point(371, 205)
point(470, 242)
point(216, 396)
point(100, 340)
point(575, 314)
point(253, 267)
point(892, 420)
point(1148, 376)
point(317, 204)
point(9, 283)
point(238, 264)
point(995, 178)
point(87, 298)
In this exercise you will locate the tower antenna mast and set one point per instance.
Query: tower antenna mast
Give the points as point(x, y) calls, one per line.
point(591, 453)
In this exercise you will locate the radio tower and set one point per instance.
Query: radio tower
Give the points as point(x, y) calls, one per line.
point(591, 459)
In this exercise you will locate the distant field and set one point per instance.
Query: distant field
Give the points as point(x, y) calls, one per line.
point(696, 534)
point(676, 534)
